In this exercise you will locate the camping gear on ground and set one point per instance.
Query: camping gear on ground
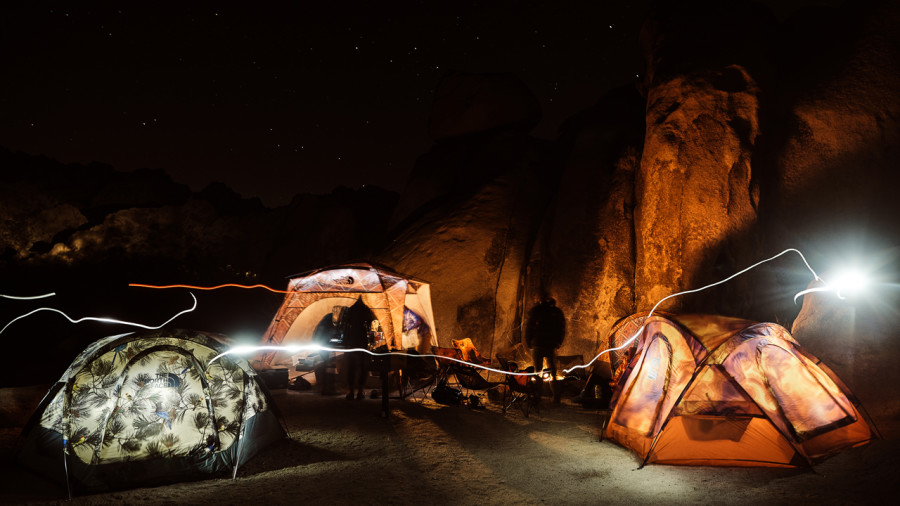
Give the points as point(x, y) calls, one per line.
point(445, 394)
point(467, 377)
point(452, 371)
point(146, 408)
point(710, 390)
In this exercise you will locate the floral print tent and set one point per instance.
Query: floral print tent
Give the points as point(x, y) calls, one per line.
point(148, 407)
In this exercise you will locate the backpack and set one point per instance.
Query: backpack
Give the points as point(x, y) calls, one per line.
point(444, 394)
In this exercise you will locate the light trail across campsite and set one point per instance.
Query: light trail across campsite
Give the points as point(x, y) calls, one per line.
point(695, 290)
point(193, 287)
point(102, 319)
point(294, 348)
point(313, 347)
point(27, 297)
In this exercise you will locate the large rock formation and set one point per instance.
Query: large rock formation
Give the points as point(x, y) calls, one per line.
point(837, 149)
point(585, 255)
point(466, 221)
point(696, 194)
point(759, 136)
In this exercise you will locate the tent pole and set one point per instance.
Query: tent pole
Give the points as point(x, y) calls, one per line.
point(237, 460)
point(687, 386)
point(66, 467)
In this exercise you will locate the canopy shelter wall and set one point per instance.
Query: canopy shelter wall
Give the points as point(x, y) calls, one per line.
point(390, 296)
point(309, 311)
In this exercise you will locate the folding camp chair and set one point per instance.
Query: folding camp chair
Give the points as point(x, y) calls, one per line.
point(520, 389)
point(444, 364)
point(420, 374)
point(470, 379)
point(468, 352)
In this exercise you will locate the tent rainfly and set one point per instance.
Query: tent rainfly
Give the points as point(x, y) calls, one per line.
point(401, 304)
point(141, 409)
point(709, 390)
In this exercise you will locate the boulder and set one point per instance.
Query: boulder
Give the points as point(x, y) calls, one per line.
point(696, 196)
point(472, 238)
point(585, 256)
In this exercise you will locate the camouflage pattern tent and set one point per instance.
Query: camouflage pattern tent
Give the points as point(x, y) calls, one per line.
point(708, 390)
point(145, 408)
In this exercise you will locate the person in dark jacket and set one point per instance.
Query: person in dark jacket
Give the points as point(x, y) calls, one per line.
point(327, 333)
point(544, 334)
point(355, 327)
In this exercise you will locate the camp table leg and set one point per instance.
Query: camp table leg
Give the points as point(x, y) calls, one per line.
point(385, 367)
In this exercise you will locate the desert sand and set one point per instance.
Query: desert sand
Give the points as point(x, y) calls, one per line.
point(345, 452)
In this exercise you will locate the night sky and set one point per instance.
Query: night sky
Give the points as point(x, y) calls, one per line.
point(275, 101)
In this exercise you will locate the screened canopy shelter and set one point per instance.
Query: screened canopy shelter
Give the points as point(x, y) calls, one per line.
point(709, 390)
point(401, 305)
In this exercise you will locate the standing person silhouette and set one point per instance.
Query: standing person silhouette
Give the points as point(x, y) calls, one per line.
point(326, 333)
point(355, 327)
point(544, 334)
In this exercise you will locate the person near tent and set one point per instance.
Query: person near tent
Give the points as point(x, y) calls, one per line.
point(355, 327)
point(545, 332)
point(326, 333)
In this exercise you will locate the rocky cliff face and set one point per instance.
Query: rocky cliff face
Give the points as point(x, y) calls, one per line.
point(750, 136)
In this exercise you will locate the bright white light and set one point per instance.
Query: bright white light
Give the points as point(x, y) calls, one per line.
point(850, 282)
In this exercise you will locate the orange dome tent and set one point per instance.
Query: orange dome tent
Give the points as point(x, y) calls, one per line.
point(709, 390)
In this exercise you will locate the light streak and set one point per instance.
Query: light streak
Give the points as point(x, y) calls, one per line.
point(314, 347)
point(227, 285)
point(100, 319)
point(294, 348)
point(31, 297)
point(695, 290)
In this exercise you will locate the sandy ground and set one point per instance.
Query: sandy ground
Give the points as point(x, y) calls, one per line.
point(344, 452)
